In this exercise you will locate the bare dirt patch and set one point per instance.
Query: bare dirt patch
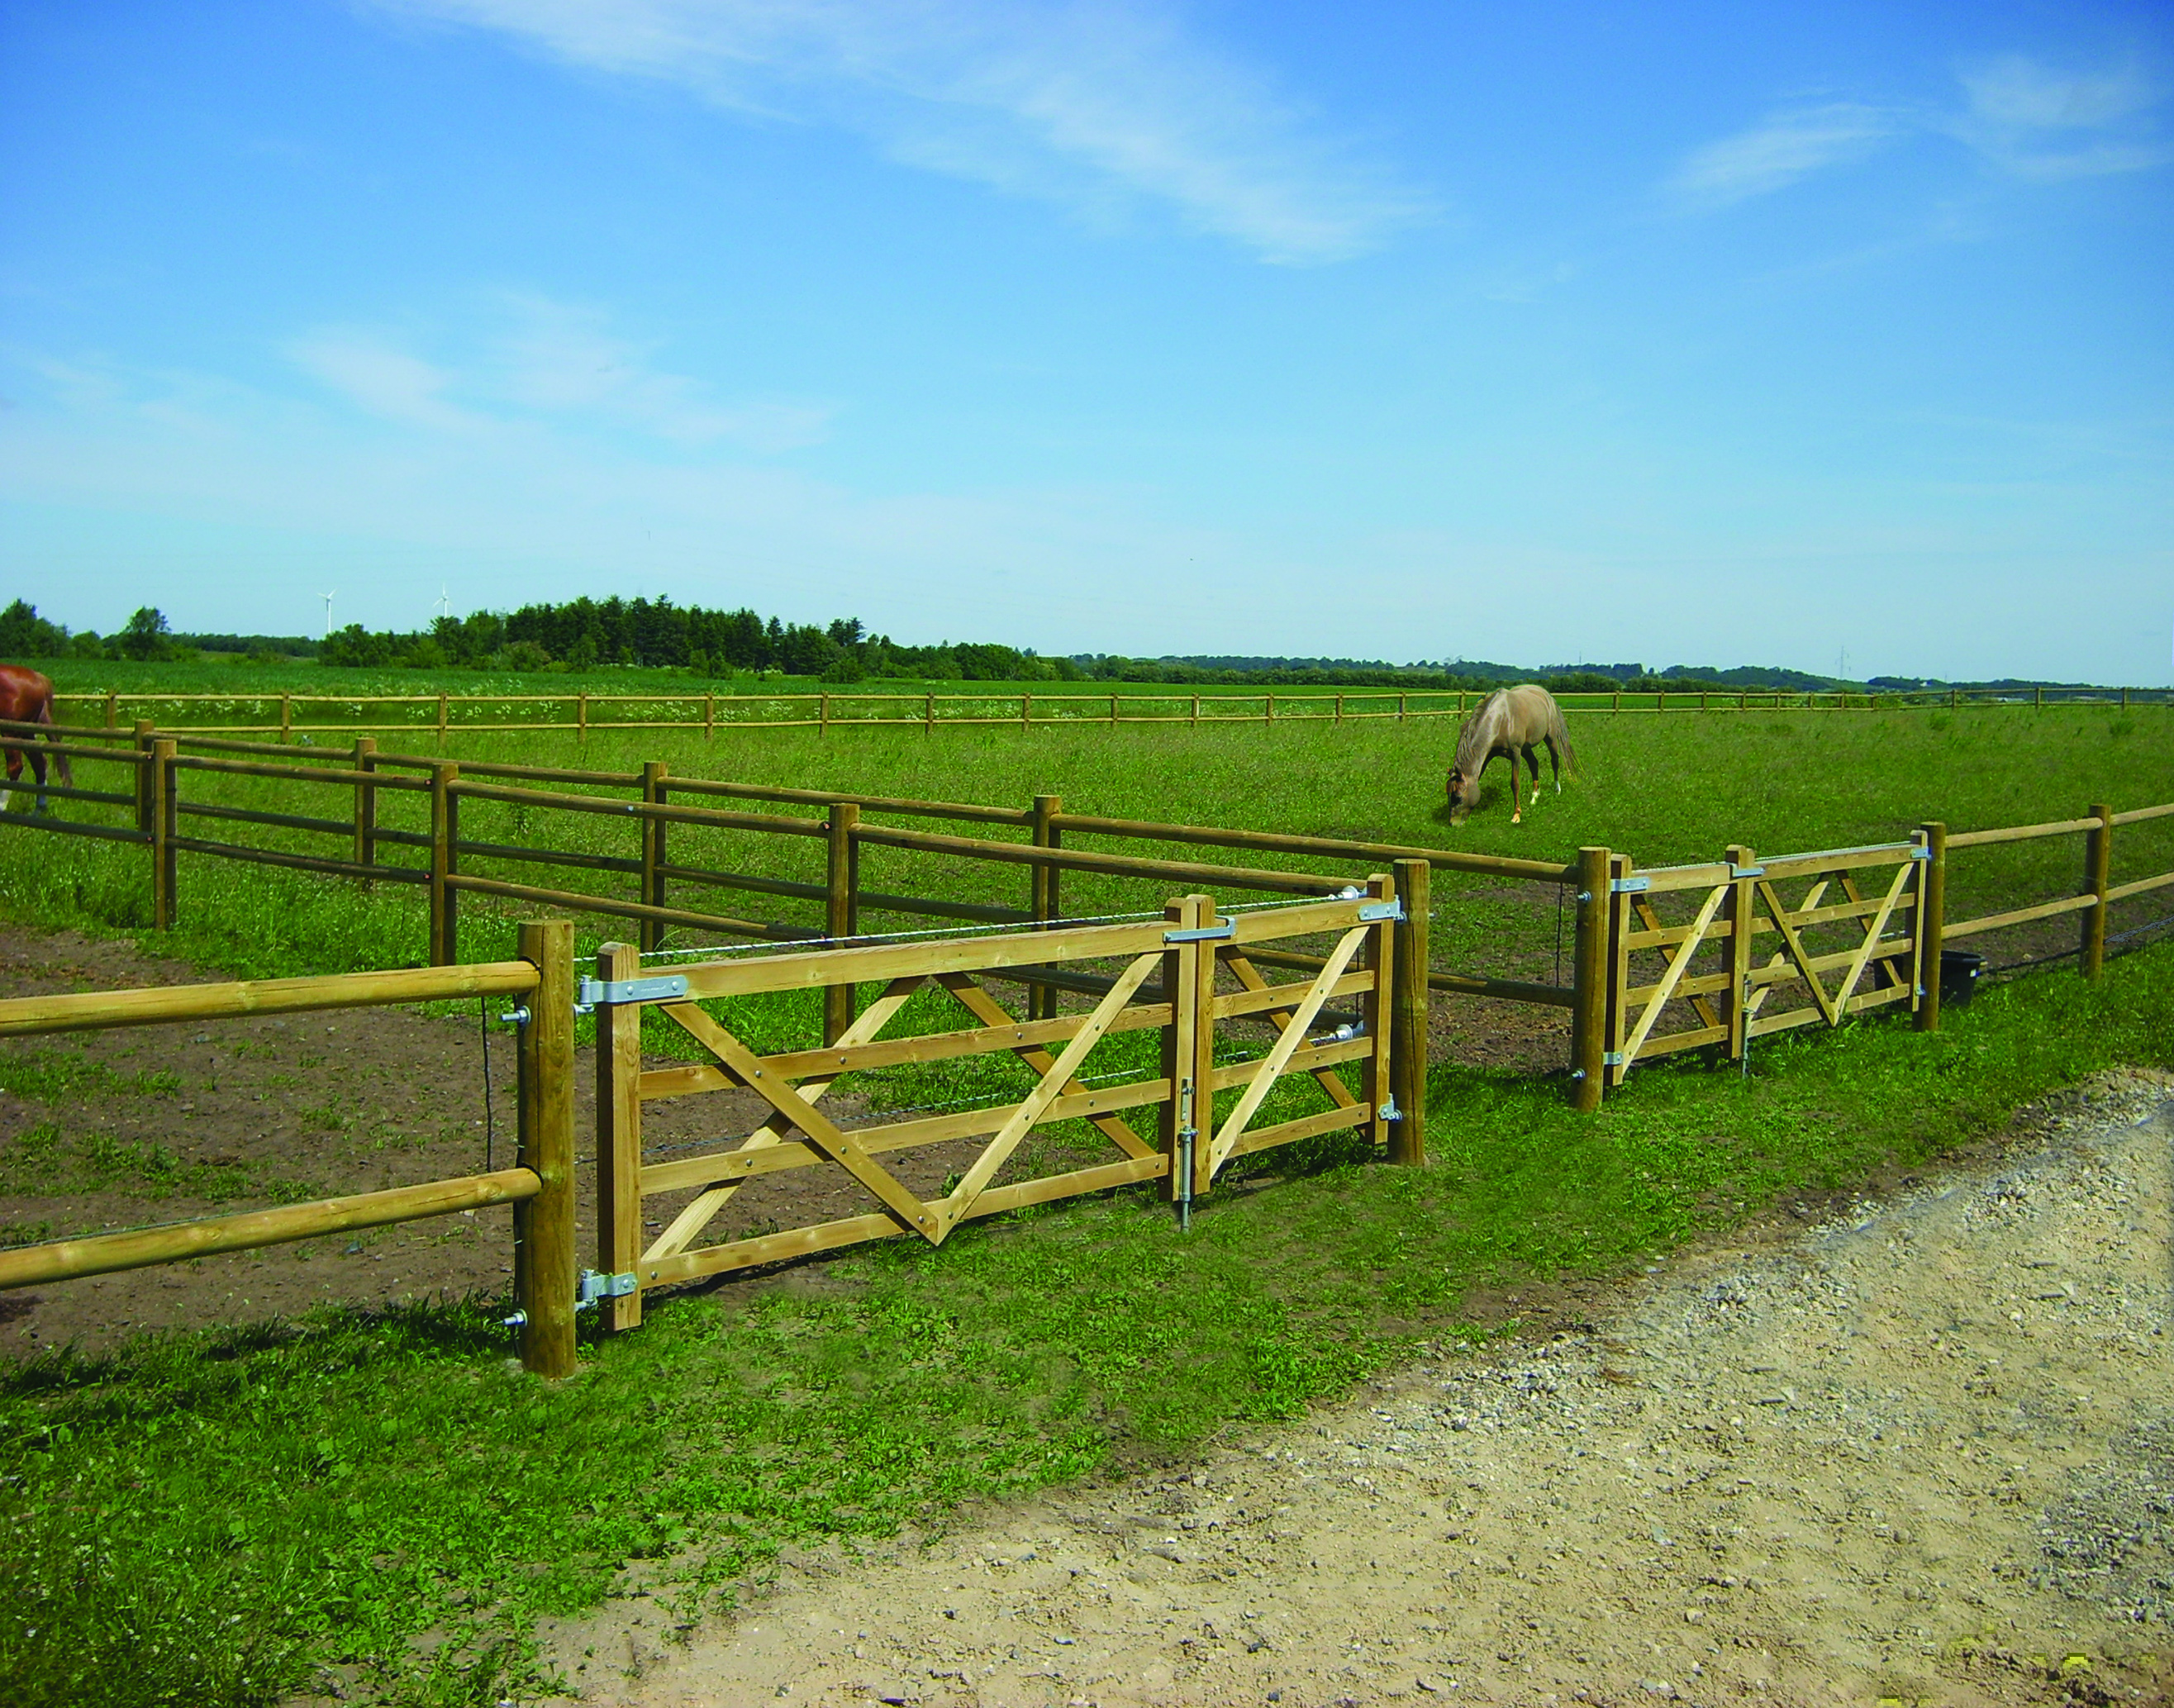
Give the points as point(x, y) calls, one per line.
point(1922, 1452)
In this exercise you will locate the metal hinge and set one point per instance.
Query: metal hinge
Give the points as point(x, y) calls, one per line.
point(1204, 933)
point(1373, 911)
point(1389, 1111)
point(1742, 872)
point(1624, 886)
point(1611, 1058)
point(664, 988)
point(596, 1284)
point(1921, 852)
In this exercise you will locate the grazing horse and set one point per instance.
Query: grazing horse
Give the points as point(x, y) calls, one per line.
point(1508, 722)
point(26, 697)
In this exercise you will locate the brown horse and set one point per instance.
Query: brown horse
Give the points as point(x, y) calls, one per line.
point(26, 697)
point(1508, 722)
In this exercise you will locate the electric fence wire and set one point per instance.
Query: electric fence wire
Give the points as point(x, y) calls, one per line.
point(2112, 937)
point(483, 1026)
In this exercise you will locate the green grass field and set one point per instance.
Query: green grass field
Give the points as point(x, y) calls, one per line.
point(206, 1518)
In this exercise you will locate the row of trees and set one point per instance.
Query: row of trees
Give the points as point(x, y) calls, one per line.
point(23, 634)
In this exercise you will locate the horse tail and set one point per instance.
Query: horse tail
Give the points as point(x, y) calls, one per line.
point(53, 735)
point(1558, 727)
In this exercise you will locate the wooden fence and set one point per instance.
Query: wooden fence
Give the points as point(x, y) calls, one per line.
point(539, 1186)
point(1664, 960)
point(293, 716)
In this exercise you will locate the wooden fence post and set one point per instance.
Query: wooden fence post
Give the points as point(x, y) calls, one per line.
point(1378, 1013)
point(1113, 712)
point(1743, 907)
point(1190, 1110)
point(1932, 923)
point(581, 718)
point(144, 747)
point(442, 723)
point(1271, 716)
point(1026, 710)
point(1619, 868)
point(709, 718)
point(1340, 708)
point(619, 1136)
point(445, 834)
point(1412, 1005)
point(2098, 879)
point(1400, 708)
point(823, 714)
point(543, 1257)
point(1196, 711)
point(286, 718)
point(839, 909)
point(365, 801)
point(1617, 706)
point(652, 853)
point(1042, 999)
point(1589, 967)
point(929, 726)
point(113, 709)
point(163, 818)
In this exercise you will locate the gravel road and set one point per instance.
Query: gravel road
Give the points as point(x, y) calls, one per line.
point(1921, 1454)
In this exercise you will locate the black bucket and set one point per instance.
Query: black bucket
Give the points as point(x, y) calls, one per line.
point(1959, 973)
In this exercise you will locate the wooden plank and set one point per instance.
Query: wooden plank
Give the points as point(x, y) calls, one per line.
point(964, 811)
point(107, 1254)
point(1286, 1044)
point(1663, 880)
point(1668, 1043)
point(1329, 848)
point(1058, 1079)
point(1863, 955)
point(1780, 915)
point(619, 1136)
point(1782, 866)
point(575, 901)
point(764, 823)
point(1267, 924)
point(89, 1010)
point(2019, 833)
point(1258, 992)
point(2121, 892)
point(1114, 865)
point(841, 1147)
point(877, 961)
point(296, 862)
point(1672, 976)
point(734, 1165)
point(65, 827)
point(1665, 937)
point(2136, 815)
point(984, 1006)
point(292, 773)
point(2022, 915)
point(1306, 1126)
point(1692, 940)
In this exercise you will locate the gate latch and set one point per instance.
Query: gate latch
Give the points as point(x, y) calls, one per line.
point(595, 1284)
point(664, 988)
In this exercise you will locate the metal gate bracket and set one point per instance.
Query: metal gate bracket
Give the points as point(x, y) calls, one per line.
point(1740, 873)
point(1375, 911)
point(664, 988)
point(595, 1284)
point(1206, 933)
point(1624, 886)
point(1611, 1058)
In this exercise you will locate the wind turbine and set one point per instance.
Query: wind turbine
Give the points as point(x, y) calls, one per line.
point(444, 602)
point(328, 616)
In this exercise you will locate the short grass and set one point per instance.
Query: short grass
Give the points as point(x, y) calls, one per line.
point(209, 1518)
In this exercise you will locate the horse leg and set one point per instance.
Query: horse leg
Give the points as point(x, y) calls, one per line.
point(1517, 796)
point(38, 769)
point(14, 775)
point(1533, 765)
point(1555, 759)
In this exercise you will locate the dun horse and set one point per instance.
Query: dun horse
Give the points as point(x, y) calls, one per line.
point(26, 697)
point(1508, 722)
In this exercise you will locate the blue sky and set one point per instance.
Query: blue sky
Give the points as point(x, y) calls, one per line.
point(1677, 333)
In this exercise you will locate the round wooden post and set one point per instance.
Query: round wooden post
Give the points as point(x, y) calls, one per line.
point(113, 709)
point(1196, 711)
point(2098, 879)
point(1743, 912)
point(1411, 1007)
point(1113, 712)
point(163, 817)
point(143, 745)
point(581, 717)
point(652, 853)
point(709, 718)
point(286, 718)
point(1932, 922)
point(543, 1257)
point(1042, 1000)
point(838, 920)
point(1189, 1113)
point(619, 1136)
point(1589, 982)
point(823, 714)
point(929, 725)
point(442, 723)
point(445, 832)
point(1026, 710)
point(365, 801)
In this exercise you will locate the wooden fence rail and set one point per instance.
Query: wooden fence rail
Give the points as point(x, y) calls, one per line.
point(582, 711)
point(540, 1186)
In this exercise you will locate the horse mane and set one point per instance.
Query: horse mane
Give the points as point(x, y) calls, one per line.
point(1475, 740)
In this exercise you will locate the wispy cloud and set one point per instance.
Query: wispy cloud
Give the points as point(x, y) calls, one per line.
point(2028, 120)
point(2047, 125)
point(545, 360)
point(1784, 147)
point(1090, 105)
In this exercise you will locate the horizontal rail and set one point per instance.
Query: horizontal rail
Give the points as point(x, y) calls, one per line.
point(284, 821)
point(1443, 859)
point(970, 811)
point(1458, 984)
point(2142, 886)
point(300, 863)
point(576, 902)
point(88, 1010)
point(2136, 815)
point(64, 791)
point(104, 1254)
point(547, 857)
point(2020, 833)
point(769, 824)
point(302, 773)
point(869, 962)
point(2022, 915)
point(72, 827)
point(1113, 865)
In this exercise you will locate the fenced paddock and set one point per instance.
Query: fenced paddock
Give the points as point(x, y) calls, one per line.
point(293, 716)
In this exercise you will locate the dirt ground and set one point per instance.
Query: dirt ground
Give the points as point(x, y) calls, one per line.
point(1920, 1453)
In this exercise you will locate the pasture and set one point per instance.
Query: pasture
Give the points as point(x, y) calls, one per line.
point(213, 1514)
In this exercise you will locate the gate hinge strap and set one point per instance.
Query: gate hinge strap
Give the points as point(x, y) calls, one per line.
point(1205, 933)
point(1624, 886)
point(1375, 911)
point(1611, 1058)
point(595, 1284)
point(664, 988)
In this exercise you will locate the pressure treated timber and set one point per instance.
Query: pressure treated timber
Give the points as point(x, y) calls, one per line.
point(1311, 1058)
point(107, 1254)
point(1306, 1126)
point(293, 773)
point(2019, 833)
point(66, 827)
point(2022, 915)
point(1263, 1074)
point(882, 961)
point(2121, 892)
point(297, 862)
point(766, 824)
point(1458, 984)
point(91, 1009)
point(544, 1262)
point(1932, 923)
point(575, 901)
point(1271, 842)
point(1116, 865)
point(2136, 815)
point(619, 1136)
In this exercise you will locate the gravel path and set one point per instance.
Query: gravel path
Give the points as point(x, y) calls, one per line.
point(1923, 1454)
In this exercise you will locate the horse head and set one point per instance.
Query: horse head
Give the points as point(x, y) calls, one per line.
point(1463, 791)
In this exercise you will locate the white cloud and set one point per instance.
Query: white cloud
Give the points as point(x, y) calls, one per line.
point(1787, 146)
point(1086, 104)
point(547, 360)
point(2032, 122)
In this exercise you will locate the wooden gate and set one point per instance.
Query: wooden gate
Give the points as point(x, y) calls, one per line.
point(1203, 976)
point(1862, 951)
